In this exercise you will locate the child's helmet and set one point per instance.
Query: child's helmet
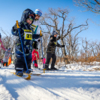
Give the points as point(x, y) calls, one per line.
point(28, 13)
point(38, 12)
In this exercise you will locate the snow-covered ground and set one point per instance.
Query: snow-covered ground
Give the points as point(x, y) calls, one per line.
point(70, 83)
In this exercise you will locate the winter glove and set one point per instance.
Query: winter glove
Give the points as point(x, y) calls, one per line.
point(58, 37)
point(55, 43)
point(39, 40)
point(15, 26)
point(63, 45)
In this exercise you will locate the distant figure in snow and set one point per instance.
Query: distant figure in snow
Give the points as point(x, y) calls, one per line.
point(35, 56)
point(51, 50)
point(6, 57)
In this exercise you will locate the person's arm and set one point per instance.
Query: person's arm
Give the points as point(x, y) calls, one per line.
point(35, 36)
point(52, 42)
point(51, 38)
point(14, 30)
point(58, 37)
point(58, 45)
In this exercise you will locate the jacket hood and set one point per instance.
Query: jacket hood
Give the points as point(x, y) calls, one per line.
point(28, 13)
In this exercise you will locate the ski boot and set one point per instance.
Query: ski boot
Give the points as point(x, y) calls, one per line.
point(54, 68)
point(19, 71)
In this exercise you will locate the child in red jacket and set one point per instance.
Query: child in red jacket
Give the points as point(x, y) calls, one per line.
point(35, 56)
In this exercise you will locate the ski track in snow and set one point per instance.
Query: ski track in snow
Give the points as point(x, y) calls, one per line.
point(54, 85)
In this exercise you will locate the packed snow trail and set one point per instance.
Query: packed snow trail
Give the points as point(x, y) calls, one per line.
point(53, 85)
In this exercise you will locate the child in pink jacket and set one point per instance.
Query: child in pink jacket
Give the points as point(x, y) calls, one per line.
point(43, 60)
point(35, 56)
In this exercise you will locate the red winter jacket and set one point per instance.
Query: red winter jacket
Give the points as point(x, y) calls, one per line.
point(35, 55)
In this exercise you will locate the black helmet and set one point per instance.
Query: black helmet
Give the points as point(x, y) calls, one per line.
point(28, 13)
point(54, 32)
point(0, 35)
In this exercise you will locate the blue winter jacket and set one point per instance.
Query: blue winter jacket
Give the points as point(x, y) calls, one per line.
point(26, 35)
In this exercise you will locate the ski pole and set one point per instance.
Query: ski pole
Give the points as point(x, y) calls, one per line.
point(22, 46)
point(42, 50)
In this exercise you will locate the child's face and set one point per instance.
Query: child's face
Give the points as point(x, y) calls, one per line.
point(37, 17)
point(55, 35)
point(29, 21)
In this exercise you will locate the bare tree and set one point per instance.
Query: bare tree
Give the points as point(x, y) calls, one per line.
point(72, 46)
point(57, 19)
point(44, 44)
point(8, 41)
point(93, 47)
point(86, 49)
point(98, 48)
point(90, 5)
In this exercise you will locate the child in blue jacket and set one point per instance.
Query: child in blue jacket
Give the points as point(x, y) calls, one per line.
point(26, 31)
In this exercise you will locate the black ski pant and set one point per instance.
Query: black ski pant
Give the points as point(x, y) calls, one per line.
point(20, 63)
point(49, 56)
point(35, 45)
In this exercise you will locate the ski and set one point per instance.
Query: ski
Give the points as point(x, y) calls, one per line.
point(35, 74)
point(25, 76)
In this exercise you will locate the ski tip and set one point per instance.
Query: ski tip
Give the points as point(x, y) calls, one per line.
point(37, 74)
point(44, 70)
point(29, 77)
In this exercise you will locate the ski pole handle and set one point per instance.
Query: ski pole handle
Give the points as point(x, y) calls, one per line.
point(17, 24)
point(40, 33)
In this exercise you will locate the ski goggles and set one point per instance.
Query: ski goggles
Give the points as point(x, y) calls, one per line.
point(31, 17)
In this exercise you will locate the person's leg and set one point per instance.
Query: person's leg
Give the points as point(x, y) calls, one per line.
point(0, 63)
point(35, 64)
point(29, 61)
point(35, 45)
point(53, 61)
point(19, 66)
point(3, 63)
point(48, 60)
point(6, 64)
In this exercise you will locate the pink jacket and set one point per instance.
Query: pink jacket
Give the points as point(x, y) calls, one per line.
point(2, 46)
point(35, 55)
point(44, 60)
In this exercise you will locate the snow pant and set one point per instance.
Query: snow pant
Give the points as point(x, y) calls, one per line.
point(49, 56)
point(35, 64)
point(0, 60)
point(5, 64)
point(20, 63)
point(35, 45)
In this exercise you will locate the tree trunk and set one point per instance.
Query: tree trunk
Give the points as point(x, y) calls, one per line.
point(64, 53)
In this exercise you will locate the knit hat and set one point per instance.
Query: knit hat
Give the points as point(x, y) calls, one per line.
point(54, 33)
